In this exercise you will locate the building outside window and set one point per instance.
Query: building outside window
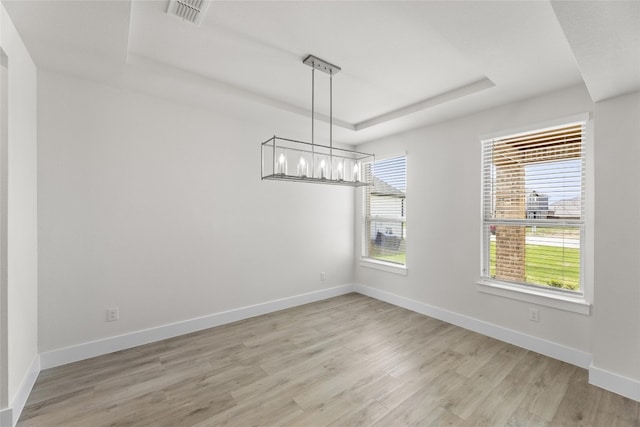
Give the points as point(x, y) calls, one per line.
point(533, 208)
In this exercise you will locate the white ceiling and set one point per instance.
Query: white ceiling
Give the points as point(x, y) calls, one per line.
point(404, 64)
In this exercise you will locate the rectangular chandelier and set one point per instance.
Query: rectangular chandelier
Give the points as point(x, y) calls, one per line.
point(290, 160)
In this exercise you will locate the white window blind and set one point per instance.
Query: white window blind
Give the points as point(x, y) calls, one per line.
point(533, 207)
point(384, 208)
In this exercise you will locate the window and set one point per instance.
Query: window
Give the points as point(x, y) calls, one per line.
point(533, 208)
point(384, 211)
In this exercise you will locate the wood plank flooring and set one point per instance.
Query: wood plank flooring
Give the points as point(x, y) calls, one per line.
point(346, 361)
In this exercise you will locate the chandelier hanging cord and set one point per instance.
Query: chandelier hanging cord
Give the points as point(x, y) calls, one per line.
point(313, 115)
point(331, 121)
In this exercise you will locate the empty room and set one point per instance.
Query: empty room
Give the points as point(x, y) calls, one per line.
point(319, 213)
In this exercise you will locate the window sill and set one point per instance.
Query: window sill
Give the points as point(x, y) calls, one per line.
point(383, 266)
point(570, 303)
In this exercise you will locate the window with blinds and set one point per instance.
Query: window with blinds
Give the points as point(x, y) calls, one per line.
point(533, 207)
point(384, 210)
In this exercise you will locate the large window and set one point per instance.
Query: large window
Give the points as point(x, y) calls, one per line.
point(384, 207)
point(533, 208)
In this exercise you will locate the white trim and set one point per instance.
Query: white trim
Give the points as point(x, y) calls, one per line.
point(615, 383)
point(384, 266)
point(390, 154)
point(598, 377)
point(567, 120)
point(441, 98)
point(557, 351)
point(6, 419)
point(588, 243)
point(365, 261)
point(531, 295)
point(10, 416)
point(99, 347)
point(580, 303)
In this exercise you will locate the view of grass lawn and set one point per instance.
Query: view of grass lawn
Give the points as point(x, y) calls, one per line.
point(545, 265)
point(548, 265)
point(398, 258)
point(562, 232)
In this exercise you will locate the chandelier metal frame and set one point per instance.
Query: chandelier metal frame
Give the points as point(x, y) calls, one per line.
point(315, 163)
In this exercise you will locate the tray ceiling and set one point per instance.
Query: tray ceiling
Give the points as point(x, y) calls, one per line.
point(404, 64)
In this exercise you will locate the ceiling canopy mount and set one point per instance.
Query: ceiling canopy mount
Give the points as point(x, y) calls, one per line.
point(321, 65)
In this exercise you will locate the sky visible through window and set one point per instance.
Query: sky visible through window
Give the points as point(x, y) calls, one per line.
point(387, 170)
point(559, 180)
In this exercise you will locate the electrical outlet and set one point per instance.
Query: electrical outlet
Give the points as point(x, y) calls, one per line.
point(323, 276)
point(113, 314)
point(534, 315)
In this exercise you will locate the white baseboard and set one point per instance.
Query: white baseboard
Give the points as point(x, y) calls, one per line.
point(108, 345)
point(615, 383)
point(547, 348)
point(90, 349)
point(6, 417)
point(9, 417)
point(601, 378)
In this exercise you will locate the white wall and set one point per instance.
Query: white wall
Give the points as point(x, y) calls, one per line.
point(443, 230)
point(22, 252)
point(616, 339)
point(158, 208)
point(443, 219)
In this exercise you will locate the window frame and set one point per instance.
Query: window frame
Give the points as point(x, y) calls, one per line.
point(573, 301)
point(365, 260)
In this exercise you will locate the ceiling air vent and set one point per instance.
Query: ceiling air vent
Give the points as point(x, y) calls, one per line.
point(189, 10)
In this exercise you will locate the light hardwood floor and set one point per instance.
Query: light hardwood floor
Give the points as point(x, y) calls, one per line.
point(346, 361)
